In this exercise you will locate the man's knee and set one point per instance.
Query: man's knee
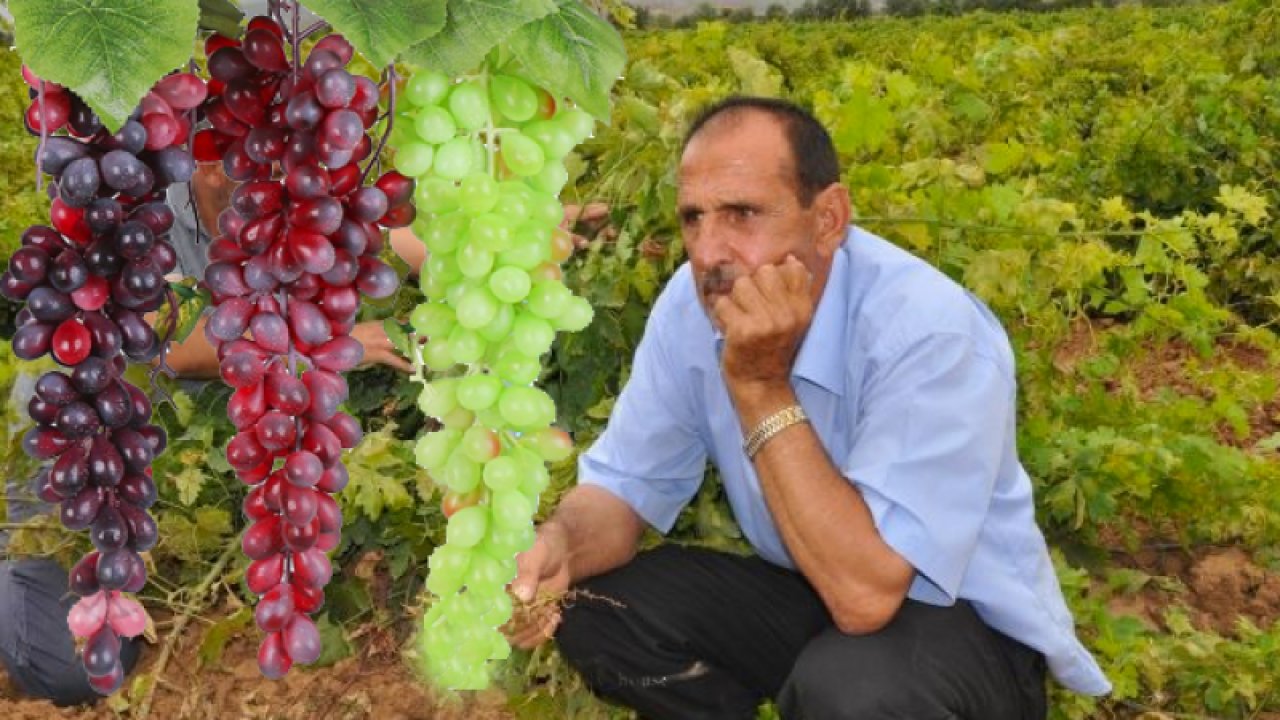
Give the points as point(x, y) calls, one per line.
point(840, 677)
point(585, 637)
point(36, 646)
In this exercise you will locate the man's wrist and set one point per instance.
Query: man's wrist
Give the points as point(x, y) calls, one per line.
point(757, 400)
point(556, 535)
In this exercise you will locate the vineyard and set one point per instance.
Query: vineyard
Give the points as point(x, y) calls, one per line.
point(1106, 180)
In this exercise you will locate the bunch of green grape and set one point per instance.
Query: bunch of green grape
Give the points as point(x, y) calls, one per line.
point(487, 152)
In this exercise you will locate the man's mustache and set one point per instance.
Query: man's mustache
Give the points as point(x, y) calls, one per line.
point(718, 280)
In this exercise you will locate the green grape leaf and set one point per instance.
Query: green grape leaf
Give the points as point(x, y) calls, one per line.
point(572, 53)
point(189, 482)
point(110, 54)
point(376, 475)
point(1001, 157)
point(398, 335)
point(333, 641)
point(473, 28)
point(183, 407)
point(191, 304)
point(756, 76)
point(216, 637)
point(381, 31)
point(190, 540)
point(864, 124)
point(221, 16)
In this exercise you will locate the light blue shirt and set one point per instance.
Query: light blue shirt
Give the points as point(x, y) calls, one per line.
point(908, 380)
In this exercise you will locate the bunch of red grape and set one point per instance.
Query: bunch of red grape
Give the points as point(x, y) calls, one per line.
point(298, 246)
point(87, 281)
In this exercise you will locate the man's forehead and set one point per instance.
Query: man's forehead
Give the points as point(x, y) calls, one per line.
point(740, 129)
point(740, 151)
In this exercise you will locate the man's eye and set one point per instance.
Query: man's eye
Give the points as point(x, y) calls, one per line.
point(744, 213)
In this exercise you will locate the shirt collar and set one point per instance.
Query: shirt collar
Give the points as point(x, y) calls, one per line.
point(822, 356)
point(821, 359)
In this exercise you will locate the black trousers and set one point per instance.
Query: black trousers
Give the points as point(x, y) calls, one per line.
point(691, 634)
point(35, 643)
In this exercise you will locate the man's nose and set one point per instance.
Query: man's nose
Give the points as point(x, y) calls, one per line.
point(709, 246)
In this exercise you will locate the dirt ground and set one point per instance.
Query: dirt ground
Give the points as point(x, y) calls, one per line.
point(1216, 584)
point(374, 683)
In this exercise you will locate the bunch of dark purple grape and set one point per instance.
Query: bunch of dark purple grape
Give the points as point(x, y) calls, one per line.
point(88, 279)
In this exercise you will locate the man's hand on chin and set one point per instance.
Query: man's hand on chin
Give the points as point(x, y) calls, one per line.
point(764, 319)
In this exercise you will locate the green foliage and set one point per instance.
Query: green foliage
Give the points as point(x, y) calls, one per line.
point(109, 54)
point(221, 16)
point(382, 474)
point(573, 53)
point(381, 31)
point(472, 30)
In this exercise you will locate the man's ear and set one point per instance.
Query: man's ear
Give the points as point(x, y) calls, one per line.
point(834, 212)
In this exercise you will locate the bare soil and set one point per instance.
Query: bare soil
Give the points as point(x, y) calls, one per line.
point(1218, 586)
point(374, 683)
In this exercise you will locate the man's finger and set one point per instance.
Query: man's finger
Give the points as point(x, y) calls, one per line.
point(795, 274)
point(747, 294)
point(773, 286)
point(528, 572)
point(553, 622)
point(726, 312)
point(593, 212)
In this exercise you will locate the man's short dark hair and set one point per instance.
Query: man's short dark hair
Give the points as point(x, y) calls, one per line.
point(812, 152)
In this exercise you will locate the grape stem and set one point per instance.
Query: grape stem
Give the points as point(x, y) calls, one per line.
point(297, 42)
point(489, 129)
point(297, 422)
point(197, 597)
point(170, 323)
point(316, 27)
point(44, 135)
point(274, 10)
point(390, 75)
point(418, 364)
point(293, 354)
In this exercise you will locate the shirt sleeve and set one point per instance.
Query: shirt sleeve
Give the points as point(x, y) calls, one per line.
point(925, 453)
point(651, 454)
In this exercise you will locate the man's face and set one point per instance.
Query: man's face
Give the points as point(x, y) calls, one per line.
point(739, 209)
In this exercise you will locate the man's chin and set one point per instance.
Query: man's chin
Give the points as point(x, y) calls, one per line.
point(708, 303)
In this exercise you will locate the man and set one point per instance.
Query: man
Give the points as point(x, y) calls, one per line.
point(860, 408)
